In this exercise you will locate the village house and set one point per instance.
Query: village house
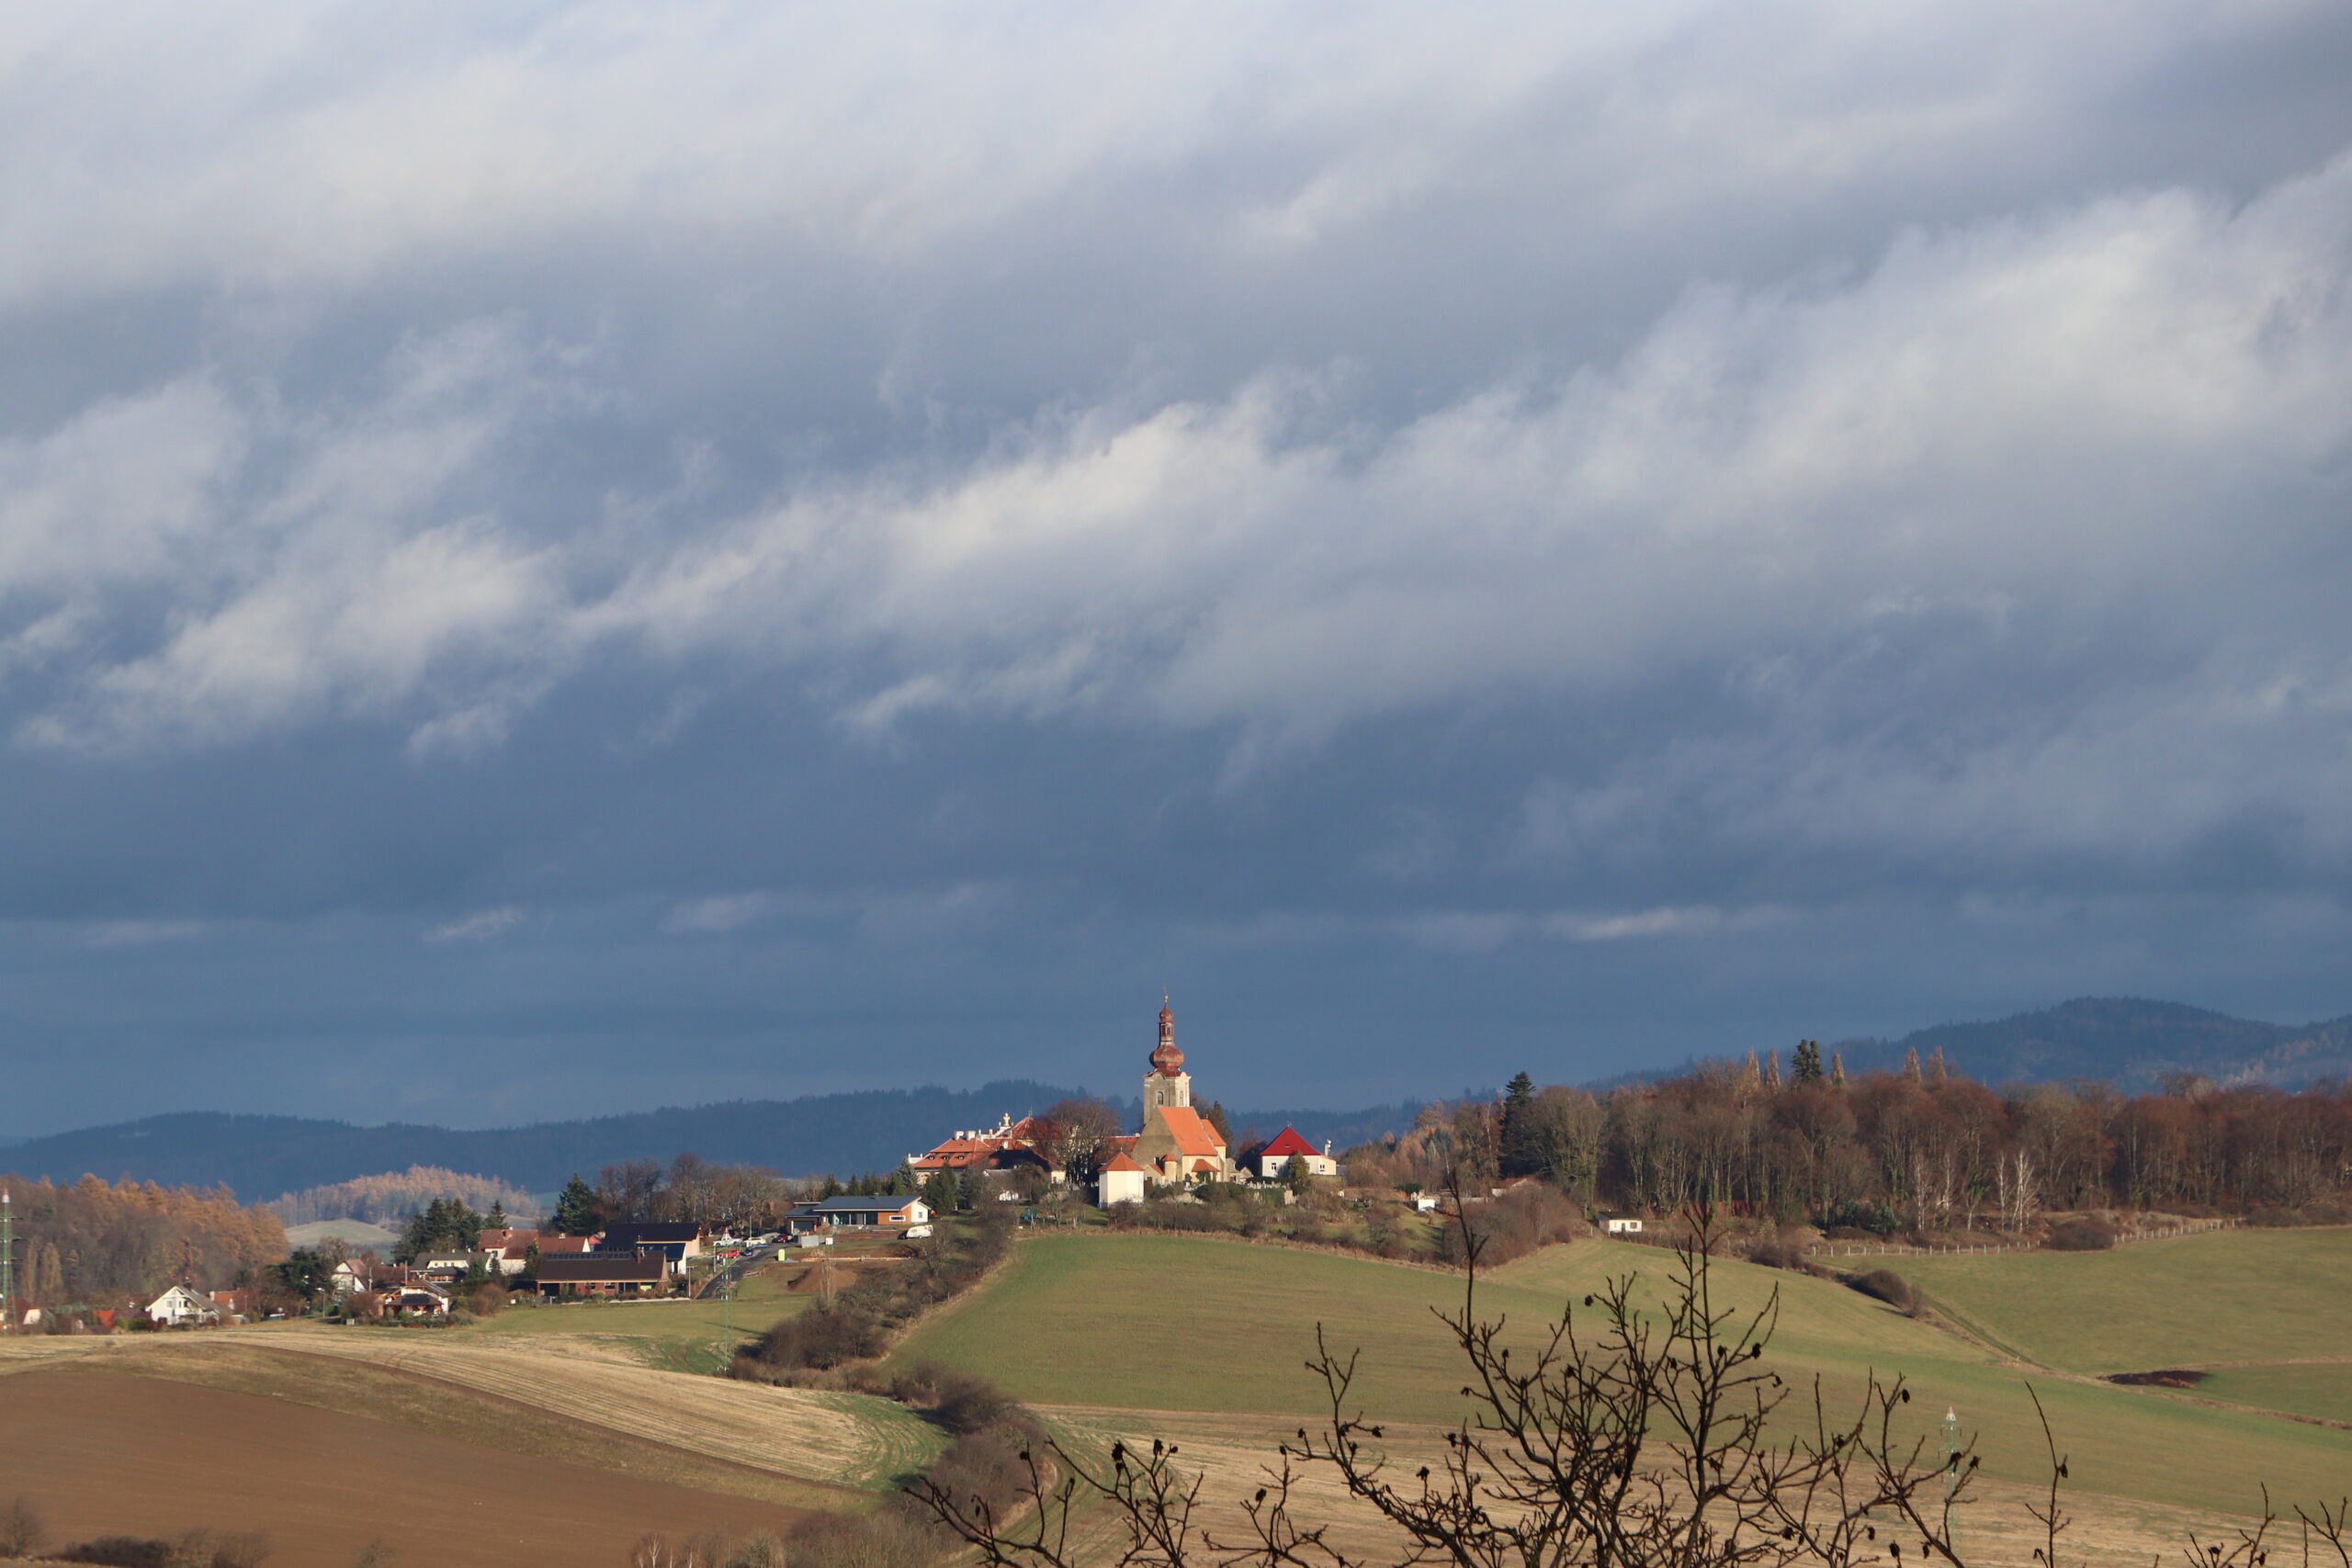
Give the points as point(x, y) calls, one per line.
point(448, 1268)
point(904, 1213)
point(676, 1240)
point(605, 1274)
point(181, 1307)
point(508, 1246)
point(1008, 1147)
point(416, 1299)
point(552, 1246)
point(1274, 1160)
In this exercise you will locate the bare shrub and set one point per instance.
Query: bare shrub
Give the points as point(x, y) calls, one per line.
point(21, 1530)
point(2084, 1235)
point(1782, 1249)
point(120, 1552)
point(884, 1539)
point(1886, 1285)
point(959, 1401)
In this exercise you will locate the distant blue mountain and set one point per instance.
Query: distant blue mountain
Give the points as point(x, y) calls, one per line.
point(2128, 1042)
point(262, 1157)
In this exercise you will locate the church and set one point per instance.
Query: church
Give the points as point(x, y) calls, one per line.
point(1177, 1143)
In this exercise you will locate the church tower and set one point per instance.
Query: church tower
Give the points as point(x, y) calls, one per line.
point(1168, 1083)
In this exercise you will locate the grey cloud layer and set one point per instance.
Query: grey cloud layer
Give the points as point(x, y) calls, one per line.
point(1550, 478)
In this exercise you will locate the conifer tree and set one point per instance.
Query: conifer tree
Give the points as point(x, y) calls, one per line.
point(1808, 1061)
point(575, 1208)
point(1518, 1142)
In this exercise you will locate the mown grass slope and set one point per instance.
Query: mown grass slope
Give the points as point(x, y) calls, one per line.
point(1182, 1323)
point(2224, 1296)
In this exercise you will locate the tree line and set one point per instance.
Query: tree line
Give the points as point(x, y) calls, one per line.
point(738, 1198)
point(97, 1243)
point(1923, 1148)
point(394, 1195)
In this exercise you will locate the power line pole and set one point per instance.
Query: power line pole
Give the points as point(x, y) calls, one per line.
point(7, 1263)
point(1951, 1476)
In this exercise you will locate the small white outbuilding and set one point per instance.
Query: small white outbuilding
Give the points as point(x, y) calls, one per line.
point(1121, 1181)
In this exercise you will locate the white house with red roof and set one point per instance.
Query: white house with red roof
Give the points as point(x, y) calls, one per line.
point(1273, 1160)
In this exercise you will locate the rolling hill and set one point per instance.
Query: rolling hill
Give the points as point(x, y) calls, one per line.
point(1233, 1354)
point(2125, 1041)
point(261, 1156)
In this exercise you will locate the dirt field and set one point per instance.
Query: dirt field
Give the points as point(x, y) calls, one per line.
point(110, 1453)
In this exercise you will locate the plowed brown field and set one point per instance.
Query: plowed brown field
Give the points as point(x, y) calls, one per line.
point(114, 1453)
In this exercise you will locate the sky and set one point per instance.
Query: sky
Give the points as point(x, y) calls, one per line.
point(567, 557)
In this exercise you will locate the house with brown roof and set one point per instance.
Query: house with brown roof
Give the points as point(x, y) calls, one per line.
point(605, 1274)
point(508, 1247)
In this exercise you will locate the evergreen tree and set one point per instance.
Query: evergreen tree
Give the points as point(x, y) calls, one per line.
point(496, 1219)
point(832, 1188)
point(1214, 1116)
point(1808, 1062)
point(575, 1208)
point(1518, 1141)
point(939, 1191)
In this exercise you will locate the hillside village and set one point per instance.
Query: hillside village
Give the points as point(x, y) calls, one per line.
point(1821, 1155)
point(1176, 1148)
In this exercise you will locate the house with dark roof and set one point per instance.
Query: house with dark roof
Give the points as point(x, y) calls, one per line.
point(674, 1240)
point(904, 1213)
point(605, 1274)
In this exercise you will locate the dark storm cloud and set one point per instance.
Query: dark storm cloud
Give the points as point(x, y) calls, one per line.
point(586, 543)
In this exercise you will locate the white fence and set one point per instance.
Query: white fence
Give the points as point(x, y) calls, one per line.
point(1903, 1249)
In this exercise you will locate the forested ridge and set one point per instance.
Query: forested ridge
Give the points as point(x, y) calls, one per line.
point(1921, 1147)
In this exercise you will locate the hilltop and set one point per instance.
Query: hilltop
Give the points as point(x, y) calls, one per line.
point(261, 1156)
point(2131, 1041)
point(2128, 1042)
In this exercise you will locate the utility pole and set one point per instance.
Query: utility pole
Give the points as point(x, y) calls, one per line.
point(1952, 1478)
point(7, 1263)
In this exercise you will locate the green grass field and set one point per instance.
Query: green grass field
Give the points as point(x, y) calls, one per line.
point(677, 1335)
point(2243, 1295)
point(1157, 1322)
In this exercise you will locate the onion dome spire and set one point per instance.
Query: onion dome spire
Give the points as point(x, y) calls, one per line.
point(1165, 1059)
